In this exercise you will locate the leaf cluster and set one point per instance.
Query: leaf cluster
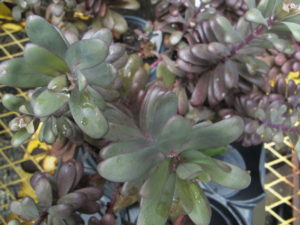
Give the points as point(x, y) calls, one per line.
point(72, 83)
point(163, 157)
point(220, 60)
point(59, 200)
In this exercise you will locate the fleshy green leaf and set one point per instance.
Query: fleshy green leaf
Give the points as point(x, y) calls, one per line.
point(58, 84)
point(201, 211)
point(101, 74)
point(97, 98)
point(235, 178)
point(20, 137)
point(156, 211)
point(157, 108)
point(231, 35)
point(174, 134)
point(182, 191)
point(25, 208)
point(188, 170)
point(87, 115)
point(76, 199)
point(46, 134)
point(12, 102)
point(216, 135)
point(44, 34)
point(104, 34)
point(134, 165)
point(122, 147)
point(86, 53)
point(43, 190)
point(48, 102)
point(121, 125)
point(44, 61)
point(114, 21)
point(154, 185)
point(294, 28)
point(214, 151)
point(81, 80)
point(254, 15)
point(165, 74)
point(61, 210)
point(16, 73)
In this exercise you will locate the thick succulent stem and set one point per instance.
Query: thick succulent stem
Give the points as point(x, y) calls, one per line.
point(41, 219)
point(179, 220)
point(114, 197)
point(257, 31)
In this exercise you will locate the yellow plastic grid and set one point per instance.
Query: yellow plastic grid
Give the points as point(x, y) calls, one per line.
point(282, 185)
point(12, 178)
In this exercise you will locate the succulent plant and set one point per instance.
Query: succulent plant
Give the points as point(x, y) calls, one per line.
point(163, 163)
point(271, 117)
point(220, 60)
point(59, 199)
point(71, 83)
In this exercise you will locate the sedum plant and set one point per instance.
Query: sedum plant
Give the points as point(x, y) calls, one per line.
point(71, 83)
point(220, 60)
point(165, 156)
point(59, 199)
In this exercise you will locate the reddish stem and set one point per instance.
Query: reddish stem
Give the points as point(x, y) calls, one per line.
point(156, 62)
point(256, 32)
point(179, 220)
point(114, 197)
point(259, 30)
point(41, 219)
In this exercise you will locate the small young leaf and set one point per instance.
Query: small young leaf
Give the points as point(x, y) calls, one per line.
point(20, 137)
point(165, 74)
point(48, 102)
point(12, 102)
point(188, 170)
point(231, 35)
point(254, 15)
